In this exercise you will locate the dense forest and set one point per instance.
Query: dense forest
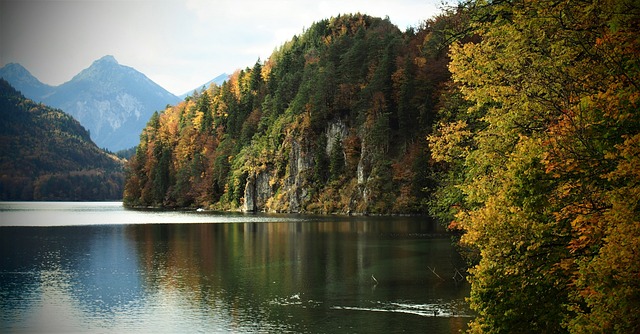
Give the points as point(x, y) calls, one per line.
point(516, 123)
point(47, 155)
point(539, 144)
point(335, 121)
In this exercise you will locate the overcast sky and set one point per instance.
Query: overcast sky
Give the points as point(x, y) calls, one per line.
point(179, 44)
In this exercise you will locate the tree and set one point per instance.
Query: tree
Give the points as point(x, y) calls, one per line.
point(204, 107)
point(336, 159)
point(555, 86)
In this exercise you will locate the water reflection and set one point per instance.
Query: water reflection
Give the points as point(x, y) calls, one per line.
point(355, 275)
point(54, 278)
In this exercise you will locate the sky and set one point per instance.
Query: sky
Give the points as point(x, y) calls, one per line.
point(179, 44)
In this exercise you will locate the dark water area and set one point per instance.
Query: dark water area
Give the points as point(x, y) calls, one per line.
point(195, 272)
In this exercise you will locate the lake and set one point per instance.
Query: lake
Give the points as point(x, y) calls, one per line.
point(97, 267)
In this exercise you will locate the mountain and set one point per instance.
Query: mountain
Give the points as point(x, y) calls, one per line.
point(334, 121)
point(45, 154)
point(112, 101)
point(24, 81)
point(217, 80)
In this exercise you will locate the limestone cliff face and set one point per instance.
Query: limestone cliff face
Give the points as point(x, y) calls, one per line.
point(257, 192)
point(291, 192)
point(362, 173)
point(336, 130)
point(297, 178)
point(266, 191)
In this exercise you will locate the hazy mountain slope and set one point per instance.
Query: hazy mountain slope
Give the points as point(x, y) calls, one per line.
point(217, 80)
point(45, 154)
point(112, 101)
point(24, 81)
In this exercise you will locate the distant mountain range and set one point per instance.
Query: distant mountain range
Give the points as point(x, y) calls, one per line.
point(45, 154)
point(219, 80)
point(114, 102)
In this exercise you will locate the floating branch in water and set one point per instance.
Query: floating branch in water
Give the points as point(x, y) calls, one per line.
point(457, 276)
point(433, 270)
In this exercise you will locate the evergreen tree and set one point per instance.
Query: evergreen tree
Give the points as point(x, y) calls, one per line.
point(336, 159)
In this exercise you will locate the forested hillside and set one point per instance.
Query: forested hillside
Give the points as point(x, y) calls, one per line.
point(47, 155)
point(539, 146)
point(335, 121)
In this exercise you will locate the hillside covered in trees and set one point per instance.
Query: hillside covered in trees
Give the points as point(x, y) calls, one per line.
point(335, 121)
point(539, 145)
point(47, 155)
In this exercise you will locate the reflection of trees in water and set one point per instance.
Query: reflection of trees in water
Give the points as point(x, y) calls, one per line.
point(242, 268)
point(296, 276)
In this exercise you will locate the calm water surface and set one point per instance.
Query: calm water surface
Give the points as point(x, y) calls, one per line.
point(96, 267)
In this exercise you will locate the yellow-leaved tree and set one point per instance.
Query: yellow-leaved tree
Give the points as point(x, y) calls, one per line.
point(550, 167)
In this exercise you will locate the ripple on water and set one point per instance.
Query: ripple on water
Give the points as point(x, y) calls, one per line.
point(444, 310)
point(453, 309)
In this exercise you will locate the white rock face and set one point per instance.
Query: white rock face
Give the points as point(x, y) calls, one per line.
point(130, 105)
point(335, 129)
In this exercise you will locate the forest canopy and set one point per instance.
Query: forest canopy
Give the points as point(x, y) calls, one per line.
point(540, 150)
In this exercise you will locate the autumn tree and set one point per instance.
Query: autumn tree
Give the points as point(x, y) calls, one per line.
point(553, 90)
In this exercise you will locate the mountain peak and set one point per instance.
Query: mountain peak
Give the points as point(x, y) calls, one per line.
point(14, 67)
point(106, 70)
point(16, 70)
point(217, 80)
point(113, 101)
point(108, 59)
point(22, 80)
